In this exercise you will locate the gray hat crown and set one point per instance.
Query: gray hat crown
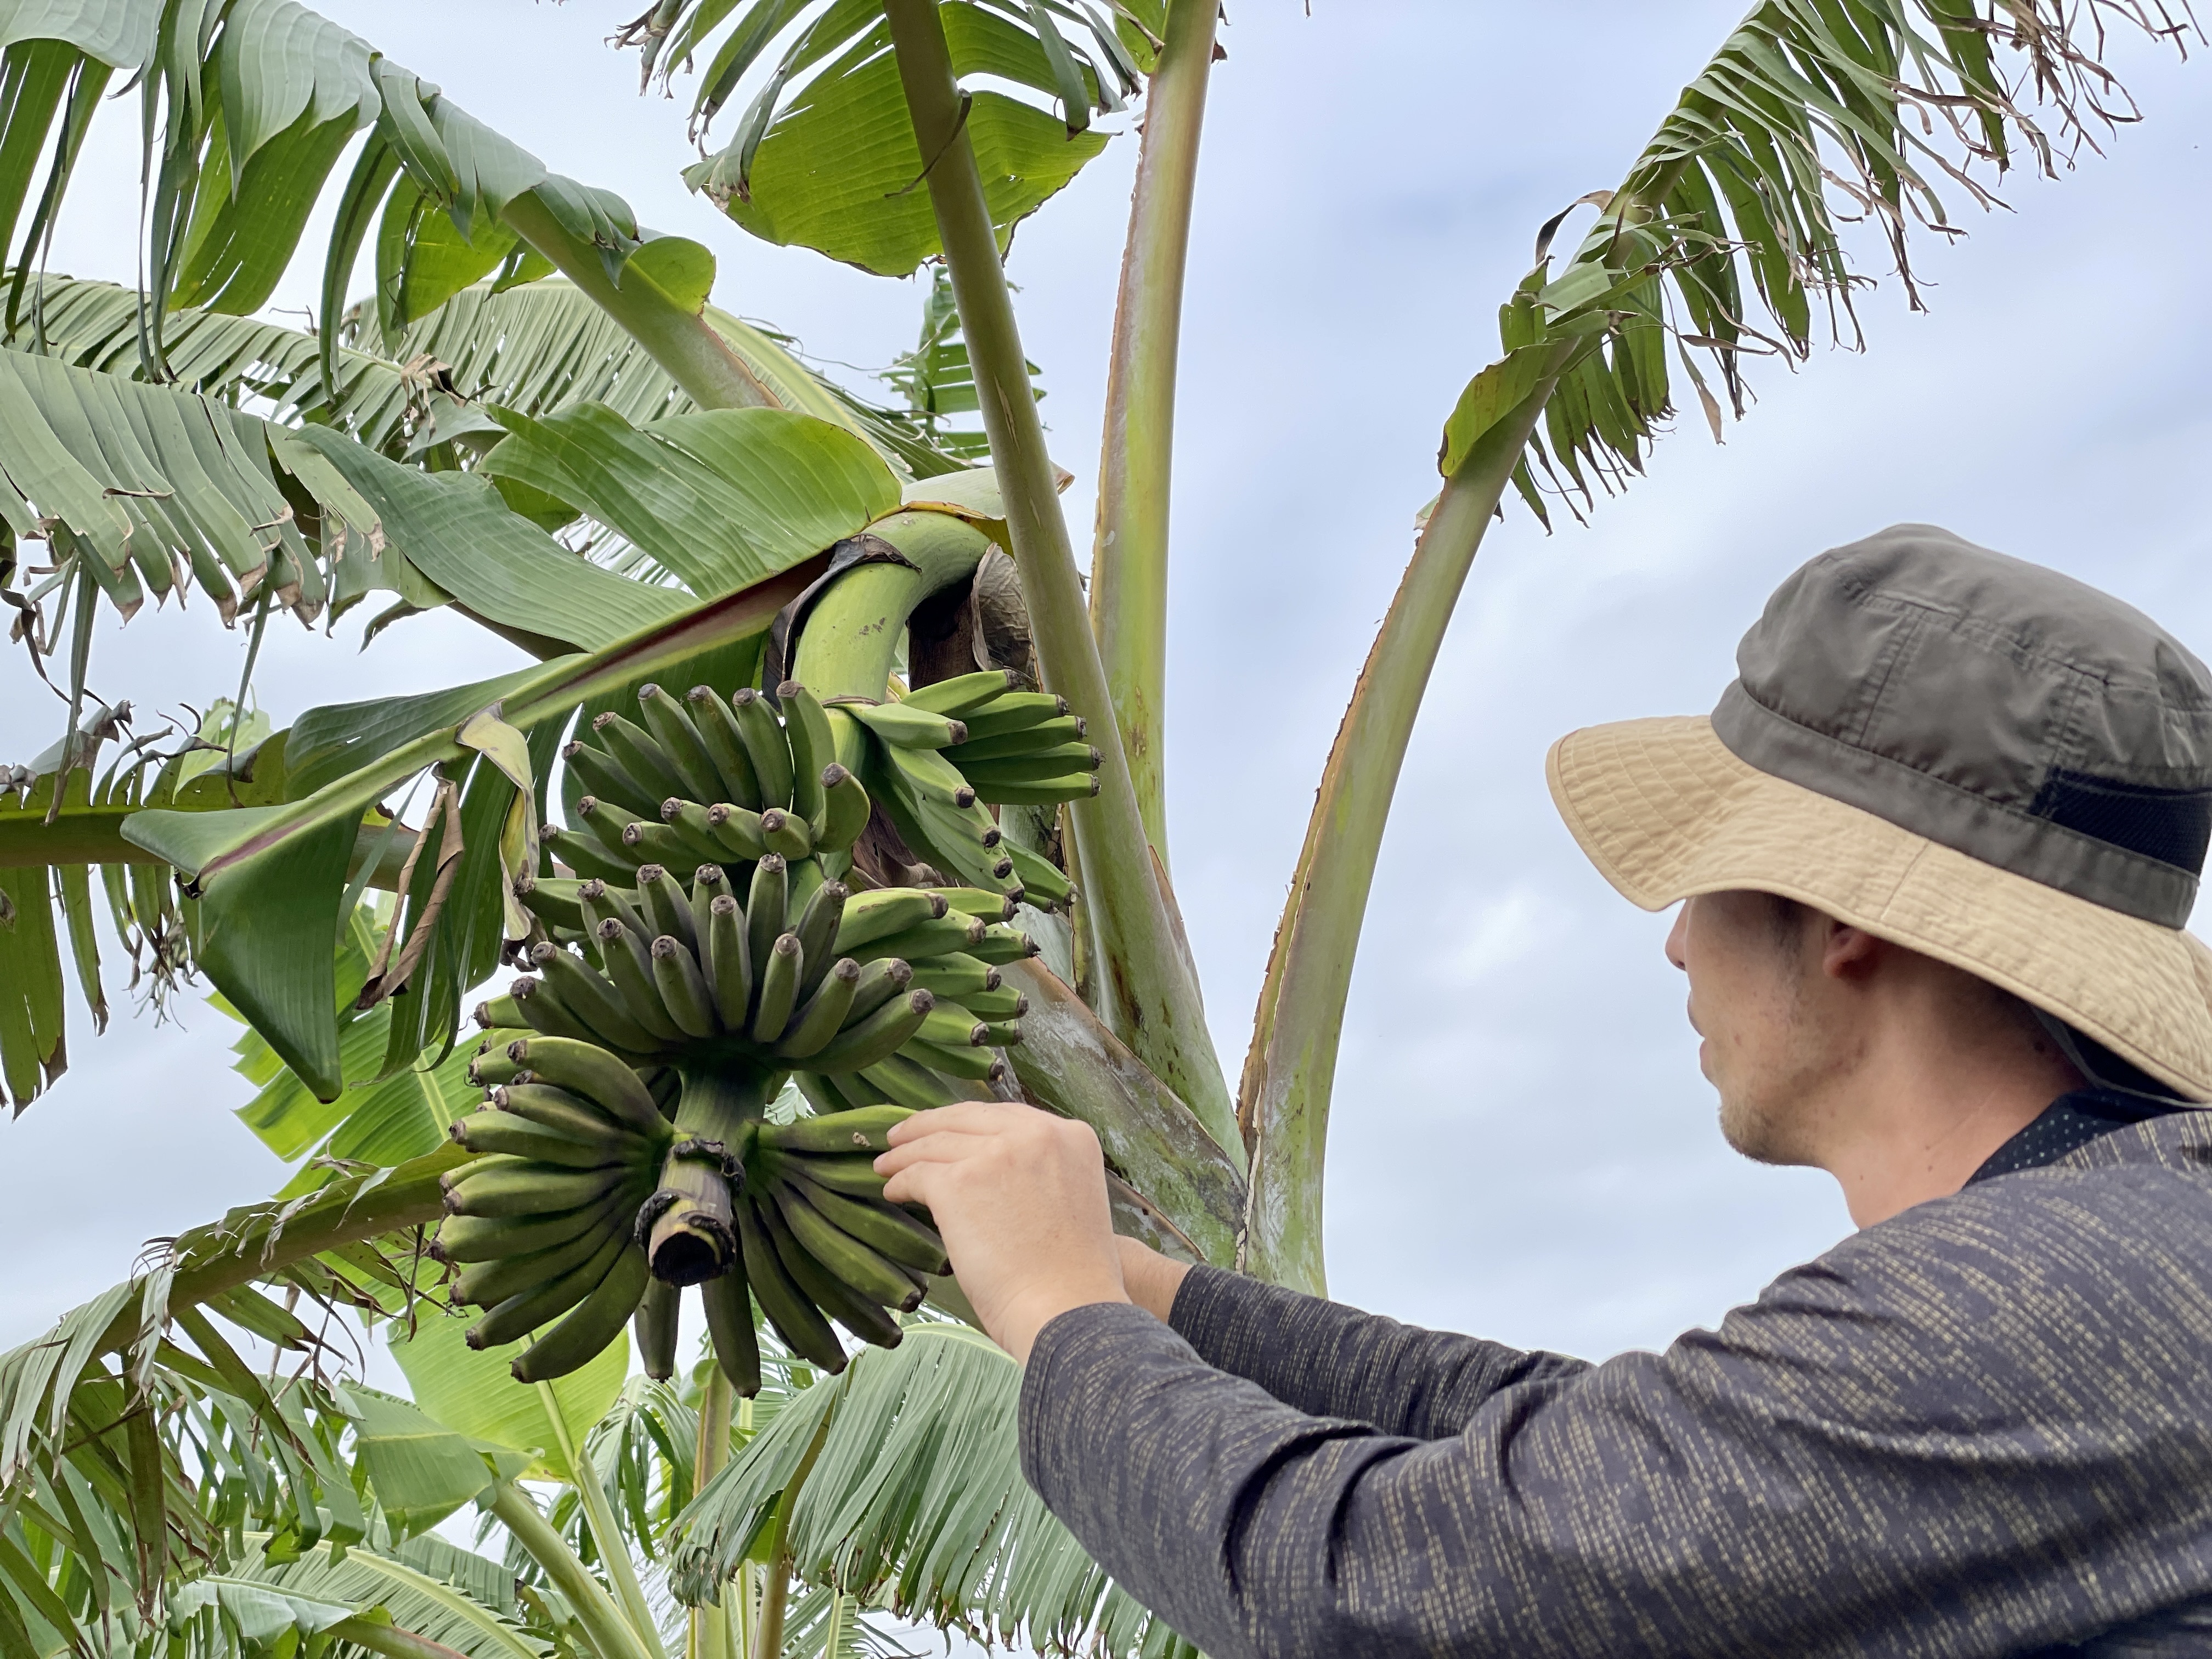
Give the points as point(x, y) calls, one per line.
point(1993, 706)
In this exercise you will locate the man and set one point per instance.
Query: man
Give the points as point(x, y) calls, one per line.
point(1937, 846)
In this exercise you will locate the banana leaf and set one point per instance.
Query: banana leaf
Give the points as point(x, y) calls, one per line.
point(915, 1498)
point(836, 169)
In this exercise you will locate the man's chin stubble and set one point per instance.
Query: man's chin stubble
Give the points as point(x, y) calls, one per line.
point(1757, 1136)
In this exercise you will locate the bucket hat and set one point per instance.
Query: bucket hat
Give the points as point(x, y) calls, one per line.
point(1967, 754)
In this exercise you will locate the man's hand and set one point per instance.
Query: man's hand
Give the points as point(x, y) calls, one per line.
point(1019, 1197)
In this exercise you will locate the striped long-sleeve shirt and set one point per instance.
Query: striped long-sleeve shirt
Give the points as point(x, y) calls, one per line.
point(1983, 1427)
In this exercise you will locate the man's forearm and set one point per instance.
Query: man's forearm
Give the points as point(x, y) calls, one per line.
point(1333, 1361)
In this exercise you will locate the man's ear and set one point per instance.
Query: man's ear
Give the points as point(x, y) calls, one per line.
point(1848, 952)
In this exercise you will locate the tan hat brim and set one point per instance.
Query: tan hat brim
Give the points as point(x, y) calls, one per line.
point(1665, 811)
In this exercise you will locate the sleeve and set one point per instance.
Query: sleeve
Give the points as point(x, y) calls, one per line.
point(1896, 1449)
point(1333, 1361)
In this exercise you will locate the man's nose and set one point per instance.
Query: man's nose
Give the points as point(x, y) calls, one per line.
point(1678, 937)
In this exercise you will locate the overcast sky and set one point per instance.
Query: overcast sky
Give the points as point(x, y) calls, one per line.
point(1522, 1145)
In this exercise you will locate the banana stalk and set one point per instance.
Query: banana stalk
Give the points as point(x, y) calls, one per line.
point(1151, 983)
point(1130, 553)
point(1283, 1100)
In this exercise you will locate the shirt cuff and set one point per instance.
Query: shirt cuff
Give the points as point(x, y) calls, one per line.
point(1231, 1321)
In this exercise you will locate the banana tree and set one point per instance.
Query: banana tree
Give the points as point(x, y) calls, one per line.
point(806, 647)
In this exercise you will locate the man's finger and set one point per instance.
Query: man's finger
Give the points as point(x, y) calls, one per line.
point(948, 1146)
point(969, 1114)
point(912, 1185)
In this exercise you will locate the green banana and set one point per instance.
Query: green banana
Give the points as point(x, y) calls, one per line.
point(859, 1264)
point(500, 1012)
point(863, 1042)
point(949, 1025)
point(859, 1131)
point(606, 819)
point(502, 1185)
point(1066, 728)
point(852, 1175)
point(598, 901)
point(961, 1060)
point(732, 975)
point(806, 728)
point(656, 843)
point(629, 965)
point(779, 988)
point(926, 775)
point(581, 852)
point(807, 877)
point(520, 1314)
point(1043, 883)
point(854, 1090)
point(1064, 760)
point(958, 976)
point(600, 773)
point(708, 883)
point(487, 1131)
point(487, 1284)
point(737, 831)
point(997, 1004)
point(1001, 1033)
point(821, 1094)
point(902, 725)
point(1047, 792)
point(496, 1238)
point(819, 1020)
point(1015, 712)
point(683, 988)
point(487, 1070)
point(950, 836)
point(551, 900)
point(884, 1227)
point(883, 911)
point(667, 907)
point(928, 938)
point(718, 729)
point(845, 808)
point(849, 1307)
point(689, 823)
point(766, 746)
point(586, 1069)
point(544, 1011)
point(817, 928)
point(963, 694)
point(639, 753)
point(880, 980)
point(681, 742)
point(786, 834)
point(796, 1320)
point(1001, 944)
point(597, 1320)
point(764, 910)
point(912, 1084)
point(593, 1000)
point(976, 901)
point(558, 1111)
point(730, 1322)
point(656, 1329)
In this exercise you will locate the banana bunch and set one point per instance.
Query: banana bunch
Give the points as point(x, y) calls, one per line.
point(705, 781)
point(849, 984)
point(936, 754)
point(625, 1149)
point(543, 1226)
